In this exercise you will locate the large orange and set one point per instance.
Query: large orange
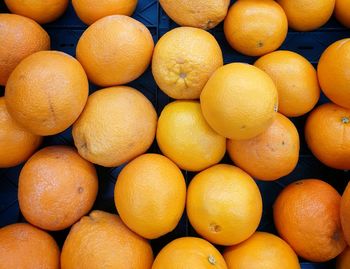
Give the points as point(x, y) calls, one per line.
point(327, 133)
point(101, 240)
point(341, 10)
point(47, 92)
point(185, 137)
point(115, 50)
point(270, 155)
point(150, 195)
point(307, 15)
point(189, 252)
point(255, 27)
point(224, 204)
point(42, 11)
point(332, 72)
point(261, 251)
point(343, 260)
point(205, 14)
point(19, 37)
point(56, 188)
point(90, 11)
point(306, 215)
point(183, 61)
point(16, 143)
point(117, 125)
point(345, 213)
point(296, 81)
point(26, 247)
point(239, 101)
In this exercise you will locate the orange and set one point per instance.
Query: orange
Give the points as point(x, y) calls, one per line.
point(189, 252)
point(327, 134)
point(205, 14)
point(115, 50)
point(56, 188)
point(307, 15)
point(345, 213)
point(102, 239)
point(296, 81)
point(343, 260)
point(341, 10)
point(46, 92)
point(255, 27)
point(185, 137)
point(19, 37)
point(332, 74)
point(90, 11)
point(40, 11)
point(239, 101)
point(261, 251)
point(16, 143)
point(117, 125)
point(306, 215)
point(224, 204)
point(183, 61)
point(270, 155)
point(26, 247)
point(150, 195)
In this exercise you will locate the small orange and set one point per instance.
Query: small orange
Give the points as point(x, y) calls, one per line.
point(189, 252)
point(270, 155)
point(345, 213)
point(239, 101)
point(306, 215)
point(296, 81)
point(150, 195)
point(26, 247)
point(56, 188)
point(341, 10)
point(255, 27)
point(224, 204)
point(327, 134)
point(261, 251)
point(101, 240)
point(343, 260)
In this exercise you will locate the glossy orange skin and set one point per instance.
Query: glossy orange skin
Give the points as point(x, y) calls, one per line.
point(344, 213)
point(343, 260)
point(341, 12)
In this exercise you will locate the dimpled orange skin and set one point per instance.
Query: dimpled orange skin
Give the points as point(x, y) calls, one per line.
point(306, 215)
point(189, 252)
point(261, 251)
point(115, 50)
point(327, 134)
point(239, 101)
point(16, 143)
point(47, 92)
point(296, 81)
point(56, 188)
point(20, 37)
point(343, 260)
point(254, 27)
point(341, 10)
point(102, 239)
point(224, 204)
point(25, 246)
point(270, 155)
point(332, 72)
point(150, 195)
point(345, 213)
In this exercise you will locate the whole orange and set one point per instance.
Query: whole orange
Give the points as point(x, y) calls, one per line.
point(261, 251)
point(255, 27)
point(56, 188)
point(343, 260)
point(20, 37)
point(150, 195)
point(296, 81)
point(345, 213)
point(115, 50)
point(102, 239)
point(189, 252)
point(239, 101)
point(26, 247)
point(224, 204)
point(183, 60)
point(327, 134)
point(341, 12)
point(306, 215)
point(270, 155)
point(332, 74)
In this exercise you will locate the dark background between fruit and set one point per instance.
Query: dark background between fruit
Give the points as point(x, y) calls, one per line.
point(65, 34)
